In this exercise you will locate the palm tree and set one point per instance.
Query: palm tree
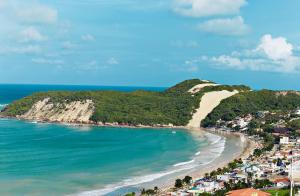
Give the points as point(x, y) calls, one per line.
point(155, 189)
point(206, 175)
point(249, 176)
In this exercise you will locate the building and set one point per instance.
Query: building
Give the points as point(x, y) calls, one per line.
point(284, 140)
point(224, 178)
point(282, 182)
point(247, 192)
point(281, 131)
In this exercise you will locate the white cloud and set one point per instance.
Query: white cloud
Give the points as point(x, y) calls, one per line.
point(47, 61)
point(230, 61)
point(87, 37)
point(36, 13)
point(68, 45)
point(112, 61)
point(275, 48)
point(32, 34)
point(200, 8)
point(228, 26)
point(29, 49)
point(271, 54)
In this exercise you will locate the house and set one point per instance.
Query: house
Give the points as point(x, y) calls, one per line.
point(207, 186)
point(242, 123)
point(247, 192)
point(262, 114)
point(284, 140)
point(224, 178)
point(281, 131)
point(241, 177)
point(297, 112)
point(252, 168)
point(281, 182)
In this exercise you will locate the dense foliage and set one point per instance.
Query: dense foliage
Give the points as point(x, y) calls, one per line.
point(175, 105)
point(294, 124)
point(250, 102)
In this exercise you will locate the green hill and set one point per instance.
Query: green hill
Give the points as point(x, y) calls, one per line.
point(172, 106)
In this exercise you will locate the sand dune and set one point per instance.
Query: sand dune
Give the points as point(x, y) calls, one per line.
point(199, 87)
point(208, 102)
point(76, 111)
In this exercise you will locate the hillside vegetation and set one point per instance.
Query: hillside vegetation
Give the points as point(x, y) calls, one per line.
point(172, 106)
point(251, 102)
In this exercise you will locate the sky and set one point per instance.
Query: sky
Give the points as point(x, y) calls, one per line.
point(150, 42)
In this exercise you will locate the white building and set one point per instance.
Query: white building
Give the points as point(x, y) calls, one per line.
point(224, 178)
point(242, 123)
point(208, 186)
point(284, 140)
point(282, 182)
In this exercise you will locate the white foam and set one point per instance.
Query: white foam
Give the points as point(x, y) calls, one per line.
point(131, 182)
point(184, 163)
point(216, 147)
point(3, 106)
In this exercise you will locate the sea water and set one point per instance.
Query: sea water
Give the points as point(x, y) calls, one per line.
point(56, 159)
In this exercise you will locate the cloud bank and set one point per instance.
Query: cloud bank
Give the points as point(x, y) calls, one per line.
point(272, 54)
point(225, 26)
point(202, 8)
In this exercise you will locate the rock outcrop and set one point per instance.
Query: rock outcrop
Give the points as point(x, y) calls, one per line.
point(68, 112)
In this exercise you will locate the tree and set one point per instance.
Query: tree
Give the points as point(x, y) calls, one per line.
point(187, 180)
point(257, 152)
point(143, 191)
point(206, 175)
point(249, 177)
point(178, 183)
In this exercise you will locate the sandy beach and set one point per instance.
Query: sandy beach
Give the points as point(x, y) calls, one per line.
point(248, 147)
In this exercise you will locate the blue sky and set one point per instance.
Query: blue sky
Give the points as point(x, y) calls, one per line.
point(150, 42)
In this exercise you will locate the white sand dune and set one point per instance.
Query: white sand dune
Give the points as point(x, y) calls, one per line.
point(209, 101)
point(199, 87)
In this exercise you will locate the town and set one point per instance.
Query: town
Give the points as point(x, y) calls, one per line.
point(273, 168)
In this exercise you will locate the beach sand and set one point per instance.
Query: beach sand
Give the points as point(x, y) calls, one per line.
point(247, 149)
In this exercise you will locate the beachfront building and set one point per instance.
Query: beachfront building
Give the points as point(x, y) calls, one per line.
point(281, 182)
point(284, 140)
point(247, 192)
point(206, 187)
point(224, 178)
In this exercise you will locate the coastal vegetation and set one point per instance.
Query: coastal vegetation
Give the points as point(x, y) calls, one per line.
point(250, 102)
point(173, 106)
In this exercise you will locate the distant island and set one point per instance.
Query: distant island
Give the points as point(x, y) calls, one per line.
point(186, 104)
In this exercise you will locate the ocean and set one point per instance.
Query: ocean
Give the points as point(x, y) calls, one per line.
point(55, 159)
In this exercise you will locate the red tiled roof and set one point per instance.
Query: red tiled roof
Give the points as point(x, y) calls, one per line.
point(281, 180)
point(247, 192)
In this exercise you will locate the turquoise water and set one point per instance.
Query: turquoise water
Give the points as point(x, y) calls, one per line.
point(56, 159)
point(53, 159)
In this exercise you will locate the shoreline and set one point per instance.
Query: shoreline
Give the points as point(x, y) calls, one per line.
point(81, 124)
point(219, 162)
point(248, 147)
